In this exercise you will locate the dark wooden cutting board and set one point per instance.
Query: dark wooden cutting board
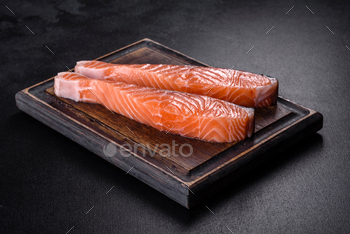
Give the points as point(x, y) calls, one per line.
point(186, 170)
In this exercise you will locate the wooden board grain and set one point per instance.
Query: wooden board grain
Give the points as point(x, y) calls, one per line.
point(129, 144)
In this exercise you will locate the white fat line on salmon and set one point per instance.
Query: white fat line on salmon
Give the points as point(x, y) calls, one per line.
point(232, 67)
point(189, 110)
point(347, 47)
point(210, 89)
point(185, 114)
point(289, 10)
point(9, 9)
point(88, 88)
point(220, 82)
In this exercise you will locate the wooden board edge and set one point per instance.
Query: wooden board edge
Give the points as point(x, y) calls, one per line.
point(25, 96)
point(232, 177)
point(194, 184)
point(170, 186)
point(26, 90)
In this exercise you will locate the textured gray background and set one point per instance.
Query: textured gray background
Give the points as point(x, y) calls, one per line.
point(48, 182)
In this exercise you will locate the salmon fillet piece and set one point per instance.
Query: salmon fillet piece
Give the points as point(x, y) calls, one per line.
point(242, 88)
point(188, 115)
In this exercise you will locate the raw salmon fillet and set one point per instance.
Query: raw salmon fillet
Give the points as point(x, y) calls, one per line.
point(242, 88)
point(189, 115)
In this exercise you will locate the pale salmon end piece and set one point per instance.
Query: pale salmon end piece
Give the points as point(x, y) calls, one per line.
point(241, 88)
point(188, 115)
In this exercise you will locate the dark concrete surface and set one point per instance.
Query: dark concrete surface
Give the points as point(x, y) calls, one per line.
point(48, 183)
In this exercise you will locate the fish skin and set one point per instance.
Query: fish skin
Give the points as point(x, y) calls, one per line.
point(242, 88)
point(188, 115)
